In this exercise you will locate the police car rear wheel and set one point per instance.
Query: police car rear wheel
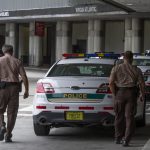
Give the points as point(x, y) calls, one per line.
point(41, 130)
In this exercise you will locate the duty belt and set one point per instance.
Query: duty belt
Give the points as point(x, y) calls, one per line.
point(126, 88)
point(11, 83)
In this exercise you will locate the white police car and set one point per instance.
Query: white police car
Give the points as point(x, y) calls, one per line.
point(75, 92)
point(143, 62)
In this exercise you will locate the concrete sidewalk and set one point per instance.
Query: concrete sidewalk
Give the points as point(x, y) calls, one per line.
point(147, 145)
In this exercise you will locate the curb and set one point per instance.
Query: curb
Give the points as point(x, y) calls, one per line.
point(147, 145)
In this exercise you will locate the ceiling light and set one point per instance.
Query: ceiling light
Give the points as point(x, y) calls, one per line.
point(129, 4)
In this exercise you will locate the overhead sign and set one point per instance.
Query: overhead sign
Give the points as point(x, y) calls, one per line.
point(4, 14)
point(86, 9)
point(39, 28)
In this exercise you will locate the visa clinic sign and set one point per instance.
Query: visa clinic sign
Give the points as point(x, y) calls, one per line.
point(4, 14)
point(86, 9)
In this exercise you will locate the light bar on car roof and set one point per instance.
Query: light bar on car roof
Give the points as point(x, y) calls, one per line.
point(73, 55)
point(82, 55)
point(108, 55)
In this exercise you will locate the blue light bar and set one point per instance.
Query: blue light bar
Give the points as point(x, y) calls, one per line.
point(115, 56)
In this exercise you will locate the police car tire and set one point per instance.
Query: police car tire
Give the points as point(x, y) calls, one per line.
point(41, 130)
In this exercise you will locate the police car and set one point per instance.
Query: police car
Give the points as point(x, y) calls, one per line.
point(75, 92)
point(143, 62)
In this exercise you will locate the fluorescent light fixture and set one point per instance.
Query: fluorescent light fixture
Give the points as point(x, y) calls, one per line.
point(129, 4)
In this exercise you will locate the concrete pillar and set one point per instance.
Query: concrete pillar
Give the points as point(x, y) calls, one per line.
point(65, 37)
point(21, 42)
point(62, 39)
point(99, 39)
point(128, 35)
point(133, 35)
point(11, 36)
point(7, 33)
point(58, 41)
point(90, 36)
point(95, 36)
point(136, 35)
point(31, 44)
point(35, 47)
point(38, 56)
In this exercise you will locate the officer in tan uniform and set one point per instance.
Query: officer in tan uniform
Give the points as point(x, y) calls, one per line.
point(123, 83)
point(10, 69)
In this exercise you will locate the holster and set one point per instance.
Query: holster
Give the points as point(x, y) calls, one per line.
point(2, 85)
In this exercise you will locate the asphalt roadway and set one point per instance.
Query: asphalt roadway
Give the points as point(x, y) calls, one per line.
point(35, 73)
point(66, 138)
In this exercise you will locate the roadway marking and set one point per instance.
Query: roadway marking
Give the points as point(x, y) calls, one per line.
point(25, 111)
point(24, 115)
point(29, 108)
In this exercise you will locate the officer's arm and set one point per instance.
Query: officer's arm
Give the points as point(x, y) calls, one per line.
point(26, 85)
point(142, 85)
point(25, 80)
point(112, 87)
point(112, 84)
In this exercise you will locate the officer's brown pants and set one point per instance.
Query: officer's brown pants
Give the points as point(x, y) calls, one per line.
point(125, 109)
point(9, 99)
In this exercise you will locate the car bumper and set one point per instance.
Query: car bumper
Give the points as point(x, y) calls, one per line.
point(58, 119)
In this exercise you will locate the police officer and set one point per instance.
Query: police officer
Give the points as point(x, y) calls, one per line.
point(123, 83)
point(10, 69)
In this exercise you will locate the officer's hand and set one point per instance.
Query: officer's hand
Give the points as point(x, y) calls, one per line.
point(26, 94)
point(142, 96)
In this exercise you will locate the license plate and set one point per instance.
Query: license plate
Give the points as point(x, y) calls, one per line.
point(74, 116)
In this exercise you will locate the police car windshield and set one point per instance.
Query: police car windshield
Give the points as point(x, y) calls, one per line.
point(92, 70)
point(141, 62)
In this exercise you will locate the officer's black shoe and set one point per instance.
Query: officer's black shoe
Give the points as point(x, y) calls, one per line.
point(118, 141)
point(8, 138)
point(125, 143)
point(2, 132)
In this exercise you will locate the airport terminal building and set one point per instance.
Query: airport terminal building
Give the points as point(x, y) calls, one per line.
point(41, 30)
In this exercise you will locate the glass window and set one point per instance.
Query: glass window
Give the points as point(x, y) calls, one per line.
point(141, 62)
point(96, 70)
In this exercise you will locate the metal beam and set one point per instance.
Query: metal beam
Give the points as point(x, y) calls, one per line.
point(123, 7)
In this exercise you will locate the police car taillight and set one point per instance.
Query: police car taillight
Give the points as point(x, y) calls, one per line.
point(44, 88)
point(104, 88)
